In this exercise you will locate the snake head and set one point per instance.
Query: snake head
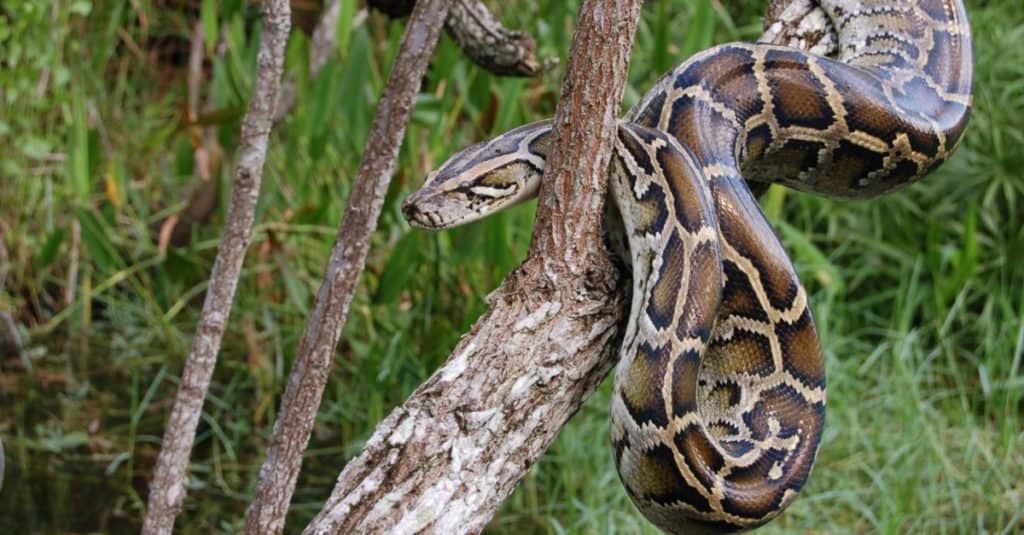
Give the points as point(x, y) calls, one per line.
point(482, 179)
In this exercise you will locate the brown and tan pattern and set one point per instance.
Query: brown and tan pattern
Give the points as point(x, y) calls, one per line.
point(719, 398)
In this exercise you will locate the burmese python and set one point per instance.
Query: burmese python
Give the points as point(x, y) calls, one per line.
point(719, 396)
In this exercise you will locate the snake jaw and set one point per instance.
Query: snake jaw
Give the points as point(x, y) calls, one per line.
point(438, 207)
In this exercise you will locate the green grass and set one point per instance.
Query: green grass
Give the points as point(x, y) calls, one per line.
point(919, 296)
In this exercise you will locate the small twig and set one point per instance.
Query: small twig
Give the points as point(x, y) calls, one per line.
point(167, 490)
point(348, 257)
point(74, 254)
point(446, 459)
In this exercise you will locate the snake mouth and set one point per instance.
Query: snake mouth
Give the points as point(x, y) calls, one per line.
point(416, 217)
point(419, 213)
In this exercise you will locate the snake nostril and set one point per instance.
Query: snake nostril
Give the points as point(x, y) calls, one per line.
point(409, 210)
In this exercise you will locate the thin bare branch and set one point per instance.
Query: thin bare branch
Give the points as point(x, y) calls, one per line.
point(447, 458)
point(309, 372)
point(167, 490)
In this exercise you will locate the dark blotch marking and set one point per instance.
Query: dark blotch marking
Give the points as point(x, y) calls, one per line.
point(703, 293)
point(684, 382)
point(753, 493)
point(727, 394)
point(699, 453)
point(745, 352)
point(662, 482)
point(651, 113)
point(736, 448)
point(801, 350)
point(902, 173)
point(637, 148)
point(738, 297)
point(665, 292)
point(722, 430)
point(745, 227)
point(797, 156)
point(872, 116)
point(644, 400)
point(656, 205)
point(798, 95)
point(850, 164)
point(690, 200)
point(762, 494)
point(728, 75)
point(757, 141)
point(709, 134)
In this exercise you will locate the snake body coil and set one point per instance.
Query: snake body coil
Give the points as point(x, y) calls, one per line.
point(719, 397)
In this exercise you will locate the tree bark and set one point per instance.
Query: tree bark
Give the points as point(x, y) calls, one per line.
point(313, 362)
point(448, 457)
point(167, 490)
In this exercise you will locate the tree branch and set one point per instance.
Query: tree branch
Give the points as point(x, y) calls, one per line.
point(448, 457)
point(167, 490)
point(309, 372)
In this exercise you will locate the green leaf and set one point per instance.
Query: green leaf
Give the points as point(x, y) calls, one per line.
point(49, 249)
point(78, 151)
point(700, 31)
point(345, 18)
point(96, 238)
point(208, 20)
point(403, 263)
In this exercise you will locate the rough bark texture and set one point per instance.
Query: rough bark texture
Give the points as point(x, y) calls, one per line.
point(448, 457)
point(167, 490)
point(309, 372)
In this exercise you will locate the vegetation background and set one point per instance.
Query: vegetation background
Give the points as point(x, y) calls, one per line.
point(919, 296)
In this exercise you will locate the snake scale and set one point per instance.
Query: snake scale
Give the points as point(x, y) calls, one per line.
point(719, 396)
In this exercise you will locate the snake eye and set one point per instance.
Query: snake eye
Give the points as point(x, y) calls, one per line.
point(492, 192)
